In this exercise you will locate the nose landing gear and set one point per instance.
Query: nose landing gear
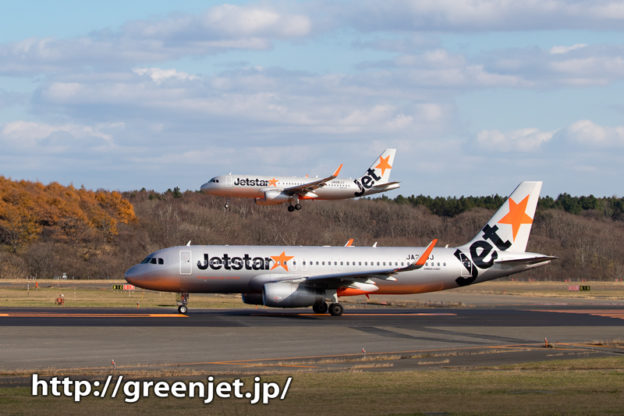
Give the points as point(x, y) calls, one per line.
point(182, 301)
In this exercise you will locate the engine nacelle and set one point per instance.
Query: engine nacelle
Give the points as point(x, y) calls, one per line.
point(290, 295)
point(273, 197)
point(252, 298)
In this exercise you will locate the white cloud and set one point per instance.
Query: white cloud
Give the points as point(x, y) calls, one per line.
point(589, 70)
point(56, 137)
point(159, 75)
point(524, 140)
point(221, 28)
point(559, 50)
point(440, 68)
point(579, 136)
point(576, 65)
point(277, 98)
point(485, 15)
point(590, 134)
point(237, 20)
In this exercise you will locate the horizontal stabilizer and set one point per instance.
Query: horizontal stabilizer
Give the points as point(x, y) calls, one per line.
point(386, 186)
point(526, 260)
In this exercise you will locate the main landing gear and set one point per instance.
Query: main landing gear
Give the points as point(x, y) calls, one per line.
point(334, 309)
point(182, 301)
point(291, 208)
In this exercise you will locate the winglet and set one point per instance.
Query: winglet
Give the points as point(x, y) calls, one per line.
point(348, 244)
point(423, 258)
point(335, 174)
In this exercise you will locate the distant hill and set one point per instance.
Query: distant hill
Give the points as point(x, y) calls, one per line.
point(105, 233)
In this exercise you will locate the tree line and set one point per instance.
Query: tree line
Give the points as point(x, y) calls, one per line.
point(609, 207)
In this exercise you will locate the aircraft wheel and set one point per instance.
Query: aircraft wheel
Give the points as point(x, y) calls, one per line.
point(291, 208)
point(182, 309)
point(298, 207)
point(319, 307)
point(335, 309)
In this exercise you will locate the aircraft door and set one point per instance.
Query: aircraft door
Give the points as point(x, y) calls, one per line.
point(186, 267)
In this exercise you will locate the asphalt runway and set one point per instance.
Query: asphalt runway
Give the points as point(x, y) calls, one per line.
point(250, 340)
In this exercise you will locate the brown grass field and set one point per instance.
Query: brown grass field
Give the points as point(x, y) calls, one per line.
point(100, 293)
point(572, 387)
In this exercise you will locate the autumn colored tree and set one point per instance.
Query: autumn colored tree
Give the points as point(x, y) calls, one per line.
point(28, 209)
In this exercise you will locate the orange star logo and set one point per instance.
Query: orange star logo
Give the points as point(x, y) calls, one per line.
point(517, 215)
point(273, 182)
point(281, 261)
point(383, 164)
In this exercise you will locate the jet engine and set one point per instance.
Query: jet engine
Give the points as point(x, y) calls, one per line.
point(252, 298)
point(290, 295)
point(273, 197)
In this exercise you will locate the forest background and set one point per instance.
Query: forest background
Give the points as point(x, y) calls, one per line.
point(49, 230)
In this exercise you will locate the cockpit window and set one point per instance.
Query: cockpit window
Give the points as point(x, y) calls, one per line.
point(214, 180)
point(153, 260)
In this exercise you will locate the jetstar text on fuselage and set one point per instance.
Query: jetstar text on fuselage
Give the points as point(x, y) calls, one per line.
point(251, 182)
point(227, 262)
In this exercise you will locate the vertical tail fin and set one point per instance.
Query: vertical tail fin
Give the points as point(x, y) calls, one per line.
point(382, 166)
point(511, 225)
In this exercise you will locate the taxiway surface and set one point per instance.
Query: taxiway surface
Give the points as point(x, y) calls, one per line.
point(231, 340)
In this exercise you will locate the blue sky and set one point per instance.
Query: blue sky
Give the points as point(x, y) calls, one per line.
point(476, 96)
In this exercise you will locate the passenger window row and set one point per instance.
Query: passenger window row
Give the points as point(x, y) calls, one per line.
point(363, 263)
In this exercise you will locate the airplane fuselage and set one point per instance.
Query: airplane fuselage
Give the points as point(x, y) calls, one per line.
point(291, 190)
point(245, 269)
point(255, 186)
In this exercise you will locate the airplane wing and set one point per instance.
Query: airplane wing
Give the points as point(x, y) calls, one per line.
point(359, 280)
point(335, 280)
point(311, 186)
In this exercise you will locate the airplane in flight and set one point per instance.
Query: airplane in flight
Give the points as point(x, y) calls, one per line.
point(300, 276)
point(275, 190)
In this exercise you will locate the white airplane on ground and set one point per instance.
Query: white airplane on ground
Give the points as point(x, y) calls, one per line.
point(298, 276)
point(274, 190)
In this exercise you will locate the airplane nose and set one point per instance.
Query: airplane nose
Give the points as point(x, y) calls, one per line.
point(133, 275)
point(206, 186)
